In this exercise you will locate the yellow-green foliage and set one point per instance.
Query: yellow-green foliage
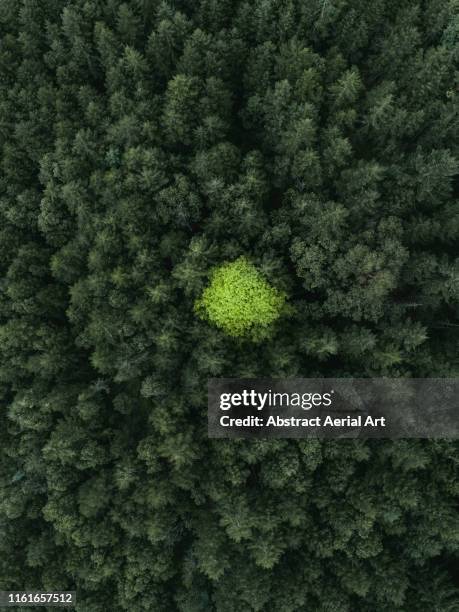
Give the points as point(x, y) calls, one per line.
point(240, 301)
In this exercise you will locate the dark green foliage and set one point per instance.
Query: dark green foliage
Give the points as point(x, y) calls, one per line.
point(144, 143)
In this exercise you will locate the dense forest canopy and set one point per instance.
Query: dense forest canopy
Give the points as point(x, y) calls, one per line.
point(145, 143)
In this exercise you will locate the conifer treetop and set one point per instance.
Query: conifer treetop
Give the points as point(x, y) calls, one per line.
point(240, 301)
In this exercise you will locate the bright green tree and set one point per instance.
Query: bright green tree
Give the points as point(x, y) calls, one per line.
point(240, 301)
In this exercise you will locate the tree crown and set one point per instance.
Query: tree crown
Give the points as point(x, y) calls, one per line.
point(240, 301)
